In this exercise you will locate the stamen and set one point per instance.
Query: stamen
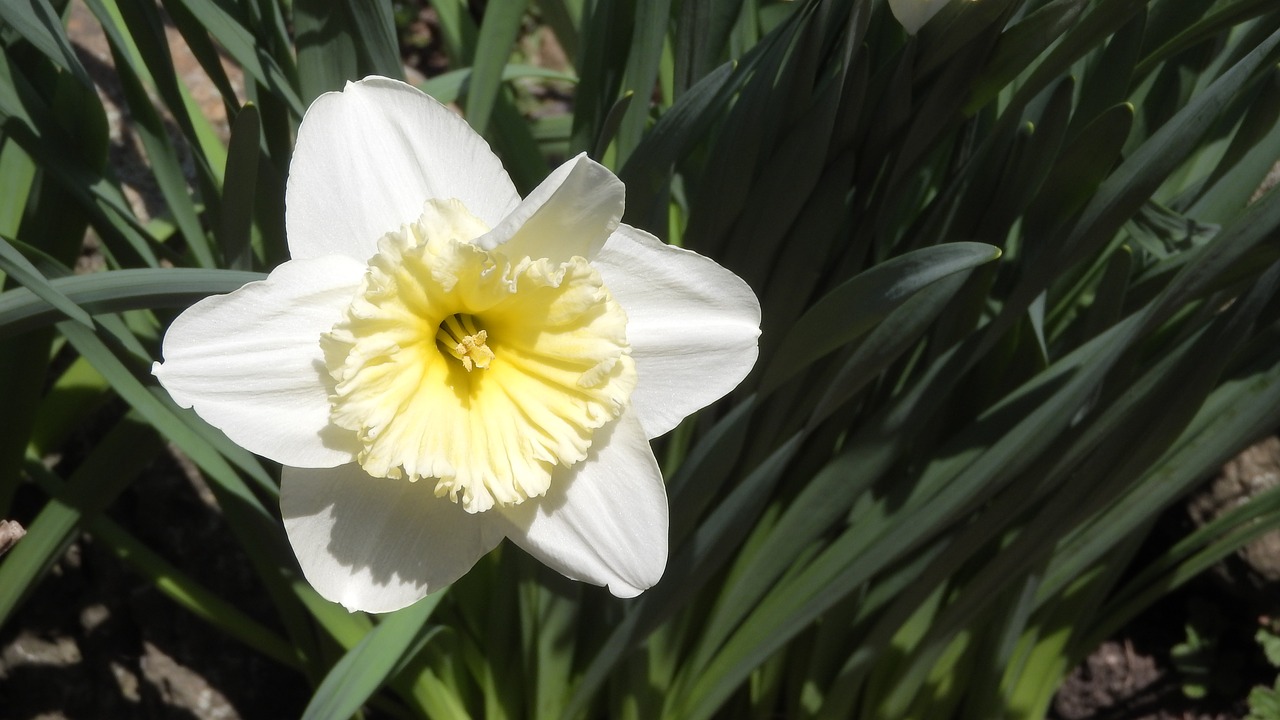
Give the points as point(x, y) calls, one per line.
point(459, 337)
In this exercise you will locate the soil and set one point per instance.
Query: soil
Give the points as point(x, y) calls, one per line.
point(95, 640)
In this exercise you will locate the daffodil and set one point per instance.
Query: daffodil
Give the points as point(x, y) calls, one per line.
point(913, 14)
point(442, 364)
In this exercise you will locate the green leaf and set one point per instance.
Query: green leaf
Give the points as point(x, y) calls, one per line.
point(960, 28)
point(674, 134)
point(1226, 15)
point(117, 291)
point(894, 335)
point(13, 264)
point(493, 47)
point(612, 121)
point(162, 158)
point(17, 173)
point(1084, 163)
point(136, 29)
point(234, 35)
point(240, 189)
point(1107, 82)
point(1244, 166)
point(450, 86)
point(1020, 45)
point(36, 130)
point(370, 663)
point(1270, 643)
point(326, 46)
point(649, 35)
point(550, 607)
point(701, 35)
point(38, 24)
point(1102, 20)
point(375, 33)
point(853, 308)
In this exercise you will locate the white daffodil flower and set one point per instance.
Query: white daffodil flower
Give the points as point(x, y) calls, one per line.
point(913, 14)
point(441, 364)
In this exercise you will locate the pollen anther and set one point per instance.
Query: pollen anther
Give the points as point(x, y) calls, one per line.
point(459, 337)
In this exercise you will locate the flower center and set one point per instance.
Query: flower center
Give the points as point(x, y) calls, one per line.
point(459, 337)
point(432, 311)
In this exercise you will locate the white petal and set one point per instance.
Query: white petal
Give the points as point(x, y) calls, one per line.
point(377, 544)
point(604, 520)
point(913, 14)
point(368, 158)
point(250, 362)
point(571, 213)
point(693, 325)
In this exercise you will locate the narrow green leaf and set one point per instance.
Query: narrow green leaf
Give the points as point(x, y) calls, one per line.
point(449, 87)
point(1102, 20)
point(961, 28)
point(1244, 165)
point(612, 121)
point(550, 611)
point(36, 21)
point(605, 35)
point(874, 294)
point(137, 30)
point(493, 49)
point(1084, 163)
point(787, 178)
point(899, 331)
point(746, 136)
point(1020, 45)
point(13, 264)
point(369, 664)
point(701, 35)
point(675, 133)
point(209, 55)
point(375, 31)
point(163, 159)
point(37, 132)
point(17, 174)
point(232, 33)
point(326, 46)
point(240, 189)
point(1226, 15)
point(117, 291)
point(1106, 83)
point(649, 36)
